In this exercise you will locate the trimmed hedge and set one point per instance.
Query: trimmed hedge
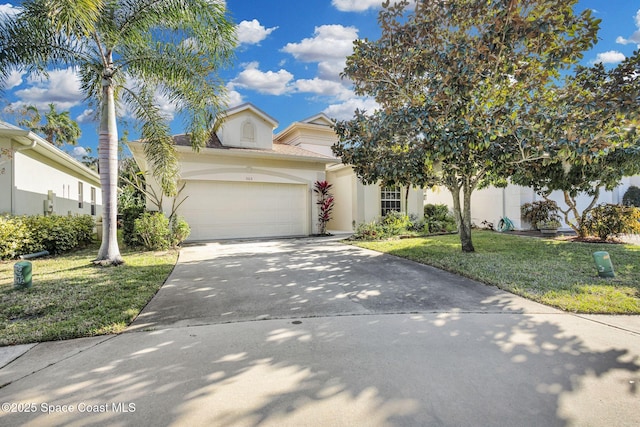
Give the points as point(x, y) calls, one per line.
point(54, 233)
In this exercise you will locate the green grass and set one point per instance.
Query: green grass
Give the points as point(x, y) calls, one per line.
point(72, 298)
point(558, 273)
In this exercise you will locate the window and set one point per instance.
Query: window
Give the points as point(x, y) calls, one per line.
point(390, 200)
point(248, 131)
point(93, 201)
point(80, 196)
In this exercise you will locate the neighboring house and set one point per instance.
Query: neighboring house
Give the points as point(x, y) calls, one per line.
point(247, 183)
point(491, 204)
point(38, 178)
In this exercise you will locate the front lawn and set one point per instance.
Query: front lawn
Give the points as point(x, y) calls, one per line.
point(73, 298)
point(559, 273)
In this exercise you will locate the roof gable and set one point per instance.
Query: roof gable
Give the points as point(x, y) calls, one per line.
point(319, 119)
point(247, 106)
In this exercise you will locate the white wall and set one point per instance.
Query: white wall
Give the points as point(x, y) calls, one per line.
point(491, 204)
point(35, 177)
point(231, 130)
point(6, 171)
point(345, 208)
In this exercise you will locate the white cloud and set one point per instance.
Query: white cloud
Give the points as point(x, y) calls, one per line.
point(252, 32)
point(79, 152)
point(330, 43)
point(324, 87)
point(233, 97)
point(62, 88)
point(329, 47)
point(362, 5)
point(14, 79)
point(609, 57)
point(356, 5)
point(269, 82)
point(9, 9)
point(635, 37)
point(86, 116)
point(345, 110)
point(328, 70)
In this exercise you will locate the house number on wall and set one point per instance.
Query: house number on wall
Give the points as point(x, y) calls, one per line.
point(249, 178)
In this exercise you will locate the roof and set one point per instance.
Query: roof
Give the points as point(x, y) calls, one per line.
point(278, 151)
point(249, 106)
point(31, 141)
point(320, 117)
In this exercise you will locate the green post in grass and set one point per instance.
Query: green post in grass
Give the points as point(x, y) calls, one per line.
point(22, 275)
point(603, 264)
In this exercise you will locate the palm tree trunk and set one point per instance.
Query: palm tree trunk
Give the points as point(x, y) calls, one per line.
point(109, 252)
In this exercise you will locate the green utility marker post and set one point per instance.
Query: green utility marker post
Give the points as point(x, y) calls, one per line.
point(603, 264)
point(22, 275)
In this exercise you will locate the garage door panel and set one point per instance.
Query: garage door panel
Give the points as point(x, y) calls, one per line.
point(220, 210)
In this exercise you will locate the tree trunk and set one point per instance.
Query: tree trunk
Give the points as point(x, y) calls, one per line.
point(462, 213)
point(465, 230)
point(109, 253)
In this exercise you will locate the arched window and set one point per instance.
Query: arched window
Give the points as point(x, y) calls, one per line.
point(248, 131)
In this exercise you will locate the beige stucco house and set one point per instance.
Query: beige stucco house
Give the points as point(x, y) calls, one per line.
point(248, 182)
point(38, 178)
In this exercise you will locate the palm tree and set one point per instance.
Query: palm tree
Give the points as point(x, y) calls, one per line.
point(59, 128)
point(128, 53)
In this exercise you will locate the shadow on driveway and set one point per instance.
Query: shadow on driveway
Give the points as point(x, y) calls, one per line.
point(241, 281)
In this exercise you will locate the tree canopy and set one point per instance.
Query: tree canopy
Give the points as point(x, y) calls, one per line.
point(59, 128)
point(455, 82)
point(128, 54)
point(588, 126)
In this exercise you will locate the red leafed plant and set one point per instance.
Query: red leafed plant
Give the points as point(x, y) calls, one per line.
point(325, 204)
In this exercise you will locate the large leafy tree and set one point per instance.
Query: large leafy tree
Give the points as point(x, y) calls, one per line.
point(589, 128)
point(455, 81)
point(128, 53)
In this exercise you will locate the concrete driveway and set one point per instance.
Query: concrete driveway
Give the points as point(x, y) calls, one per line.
point(311, 332)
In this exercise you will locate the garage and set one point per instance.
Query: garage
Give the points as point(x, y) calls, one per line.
point(226, 209)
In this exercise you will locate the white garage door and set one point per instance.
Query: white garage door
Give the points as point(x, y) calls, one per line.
point(222, 210)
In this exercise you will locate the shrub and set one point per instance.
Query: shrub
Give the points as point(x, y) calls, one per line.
point(152, 228)
point(436, 212)
point(57, 233)
point(438, 219)
point(607, 220)
point(325, 204)
point(180, 230)
point(128, 215)
point(631, 197)
point(13, 236)
point(394, 223)
point(416, 224)
point(540, 211)
point(54, 233)
point(369, 231)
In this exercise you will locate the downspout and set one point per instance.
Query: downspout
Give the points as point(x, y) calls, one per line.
point(13, 172)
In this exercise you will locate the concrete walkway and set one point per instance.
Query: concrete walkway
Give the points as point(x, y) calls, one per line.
point(311, 332)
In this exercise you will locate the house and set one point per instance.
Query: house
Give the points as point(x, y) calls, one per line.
point(38, 178)
point(490, 204)
point(248, 183)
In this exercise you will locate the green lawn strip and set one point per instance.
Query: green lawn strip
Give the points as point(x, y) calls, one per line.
point(72, 298)
point(554, 272)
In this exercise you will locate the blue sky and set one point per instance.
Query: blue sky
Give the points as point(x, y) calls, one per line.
point(290, 57)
